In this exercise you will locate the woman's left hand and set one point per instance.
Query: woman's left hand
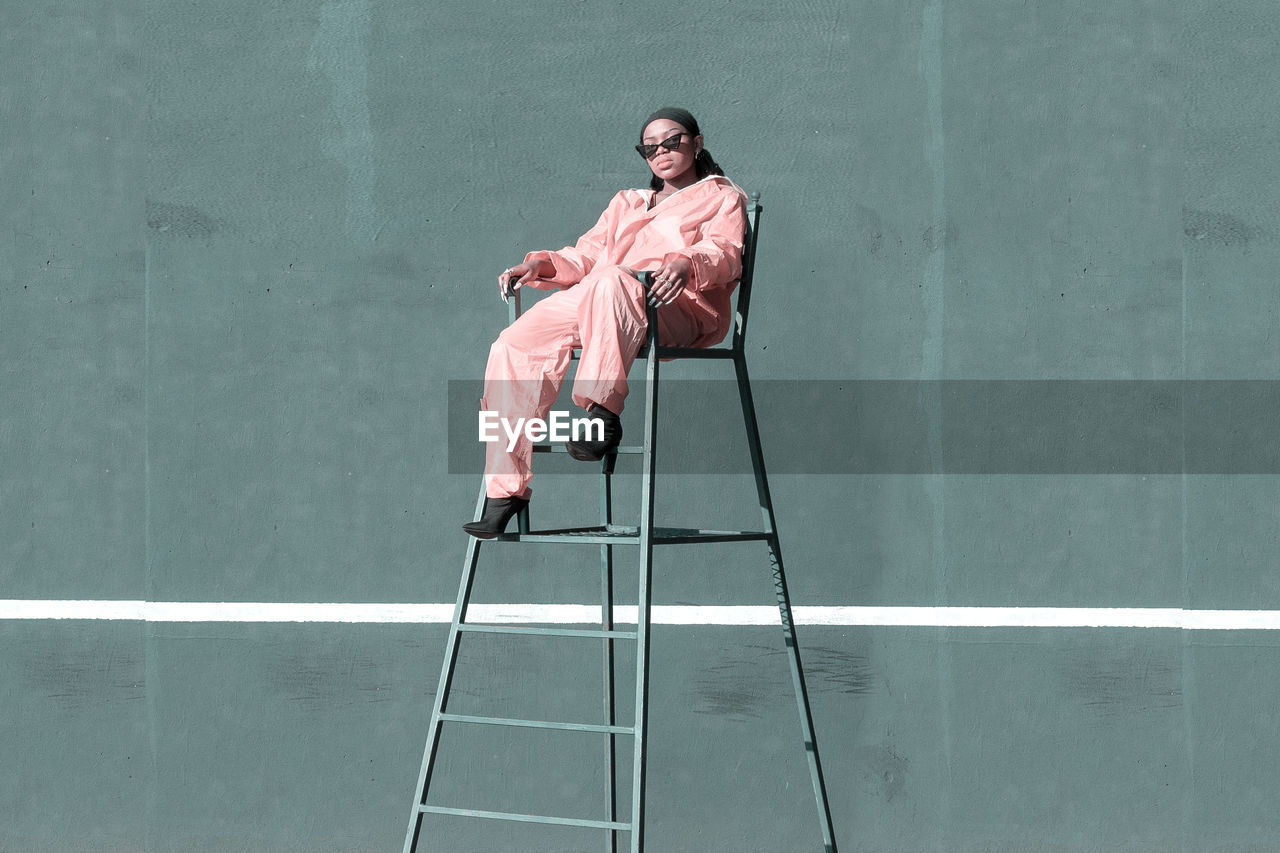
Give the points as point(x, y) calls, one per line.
point(669, 280)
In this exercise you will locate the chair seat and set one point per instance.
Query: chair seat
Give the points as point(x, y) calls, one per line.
point(676, 352)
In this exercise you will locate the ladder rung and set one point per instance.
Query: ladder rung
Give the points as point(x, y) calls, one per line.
point(538, 724)
point(546, 632)
point(528, 818)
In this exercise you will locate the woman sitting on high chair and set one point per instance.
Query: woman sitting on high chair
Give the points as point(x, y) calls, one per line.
point(687, 229)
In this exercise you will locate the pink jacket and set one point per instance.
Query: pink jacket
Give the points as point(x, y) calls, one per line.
point(704, 222)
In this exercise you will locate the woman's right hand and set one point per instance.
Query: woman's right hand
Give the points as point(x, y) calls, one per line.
point(515, 277)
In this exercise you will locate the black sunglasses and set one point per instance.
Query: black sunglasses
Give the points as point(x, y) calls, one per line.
point(671, 143)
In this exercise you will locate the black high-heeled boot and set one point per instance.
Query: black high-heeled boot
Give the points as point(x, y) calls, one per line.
point(594, 451)
point(497, 512)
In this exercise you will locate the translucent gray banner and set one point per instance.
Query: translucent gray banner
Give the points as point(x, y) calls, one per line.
point(944, 426)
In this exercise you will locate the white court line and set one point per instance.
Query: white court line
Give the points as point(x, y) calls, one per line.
point(583, 614)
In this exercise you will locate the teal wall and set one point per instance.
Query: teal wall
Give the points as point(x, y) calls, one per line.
point(244, 247)
point(249, 245)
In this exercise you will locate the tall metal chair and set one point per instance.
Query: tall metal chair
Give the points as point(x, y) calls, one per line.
point(609, 535)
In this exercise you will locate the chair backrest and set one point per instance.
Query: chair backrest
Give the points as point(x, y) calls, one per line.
point(748, 270)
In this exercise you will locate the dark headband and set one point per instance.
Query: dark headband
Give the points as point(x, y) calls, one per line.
point(681, 117)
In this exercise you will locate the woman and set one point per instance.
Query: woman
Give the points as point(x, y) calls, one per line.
point(687, 229)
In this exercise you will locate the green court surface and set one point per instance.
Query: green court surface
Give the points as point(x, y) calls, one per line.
point(307, 737)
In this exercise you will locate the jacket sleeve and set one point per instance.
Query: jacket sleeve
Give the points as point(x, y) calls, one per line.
point(717, 255)
point(572, 263)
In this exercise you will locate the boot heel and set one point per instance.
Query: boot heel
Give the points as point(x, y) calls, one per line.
point(497, 512)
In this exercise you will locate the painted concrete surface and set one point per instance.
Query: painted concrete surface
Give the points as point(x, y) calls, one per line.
point(308, 737)
point(246, 247)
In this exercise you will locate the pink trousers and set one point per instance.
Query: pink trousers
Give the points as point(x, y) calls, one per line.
point(604, 315)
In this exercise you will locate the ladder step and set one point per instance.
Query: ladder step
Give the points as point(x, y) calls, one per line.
point(546, 632)
point(538, 724)
point(528, 818)
point(629, 535)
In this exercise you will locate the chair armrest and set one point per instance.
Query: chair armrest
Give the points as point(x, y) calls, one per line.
point(650, 312)
point(513, 303)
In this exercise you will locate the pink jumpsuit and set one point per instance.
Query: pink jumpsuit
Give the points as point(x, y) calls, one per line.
point(600, 308)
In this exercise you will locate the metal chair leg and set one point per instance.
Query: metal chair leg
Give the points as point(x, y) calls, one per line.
point(446, 679)
point(606, 624)
point(642, 596)
point(784, 606)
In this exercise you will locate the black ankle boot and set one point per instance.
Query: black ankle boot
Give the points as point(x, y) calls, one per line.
point(497, 512)
point(594, 451)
